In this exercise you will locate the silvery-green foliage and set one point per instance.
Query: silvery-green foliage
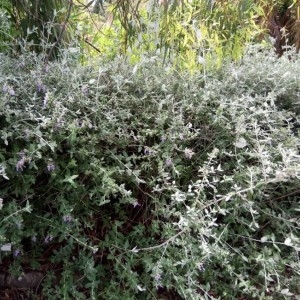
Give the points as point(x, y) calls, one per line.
point(152, 182)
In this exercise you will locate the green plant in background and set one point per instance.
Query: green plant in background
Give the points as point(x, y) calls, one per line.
point(196, 32)
point(188, 33)
point(7, 31)
point(41, 26)
point(98, 37)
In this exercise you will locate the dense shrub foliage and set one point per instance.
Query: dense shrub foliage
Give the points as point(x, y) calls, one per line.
point(137, 182)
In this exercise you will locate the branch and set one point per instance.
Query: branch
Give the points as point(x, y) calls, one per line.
point(135, 250)
point(90, 44)
point(61, 32)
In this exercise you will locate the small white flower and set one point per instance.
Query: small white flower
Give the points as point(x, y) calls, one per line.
point(201, 60)
point(188, 153)
point(46, 98)
point(135, 204)
point(6, 247)
point(141, 288)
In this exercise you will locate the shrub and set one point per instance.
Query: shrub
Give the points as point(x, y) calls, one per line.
point(122, 182)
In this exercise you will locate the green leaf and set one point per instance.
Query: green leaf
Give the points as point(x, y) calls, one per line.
point(70, 180)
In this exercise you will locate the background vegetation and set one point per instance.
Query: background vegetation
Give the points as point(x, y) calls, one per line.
point(149, 150)
point(185, 32)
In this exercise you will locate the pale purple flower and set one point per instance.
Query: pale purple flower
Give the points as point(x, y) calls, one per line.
point(16, 253)
point(46, 68)
point(163, 138)
point(20, 164)
point(5, 89)
point(85, 89)
point(158, 278)
point(169, 162)
point(201, 267)
point(50, 166)
point(48, 239)
point(40, 87)
point(11, 92)
point(33, 239)
point(148, 151)
point(67, 218)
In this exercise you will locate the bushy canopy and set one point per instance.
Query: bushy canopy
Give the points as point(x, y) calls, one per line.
point(141, 181)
